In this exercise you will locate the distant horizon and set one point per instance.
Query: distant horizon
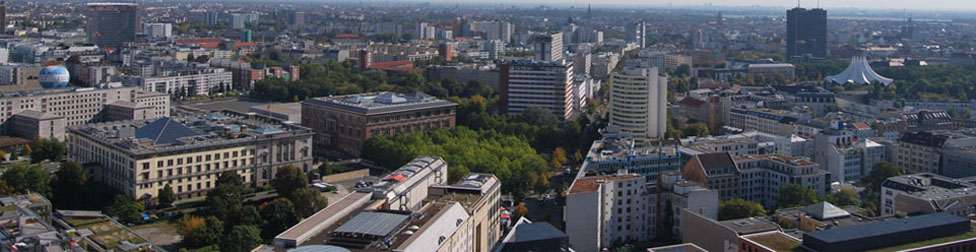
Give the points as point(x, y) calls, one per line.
point(911, 6)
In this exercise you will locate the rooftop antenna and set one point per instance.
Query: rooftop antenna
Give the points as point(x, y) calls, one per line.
point(798, 3)
point(818, 4)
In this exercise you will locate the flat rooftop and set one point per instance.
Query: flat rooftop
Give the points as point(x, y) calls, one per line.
point(930, 186)
point(172, 134)
point(777, 157)
point(380, 102)
point(776, 241)
point(591, 184)
point(750, 225)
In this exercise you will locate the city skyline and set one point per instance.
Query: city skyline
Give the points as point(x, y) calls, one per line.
point(866, 4)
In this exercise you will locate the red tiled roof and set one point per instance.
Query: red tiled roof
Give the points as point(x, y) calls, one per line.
point(403, 66)
point(347, 36)
point(688, 101)
point(244, 44)
point(198, 40)
point(862, 126)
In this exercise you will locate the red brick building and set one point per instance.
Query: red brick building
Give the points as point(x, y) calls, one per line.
point(343, 123)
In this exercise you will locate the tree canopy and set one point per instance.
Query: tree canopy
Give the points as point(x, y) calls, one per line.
point(737, 208)
point(508, 157)
point(793, 195)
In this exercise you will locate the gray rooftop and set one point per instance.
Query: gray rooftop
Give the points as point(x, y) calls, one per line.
point(380, 103)
point(373, 223)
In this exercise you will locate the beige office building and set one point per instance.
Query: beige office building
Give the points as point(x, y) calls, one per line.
point(140, 157)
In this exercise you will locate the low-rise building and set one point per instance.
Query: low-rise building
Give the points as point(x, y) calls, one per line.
point(777, 122)
point(754, 178)
point(926, 193)
point(190, 83)
point(94, 231)
point(139, 158)
point(46, 113)
point(616, 152)
point(344, 123)
point(460, 217)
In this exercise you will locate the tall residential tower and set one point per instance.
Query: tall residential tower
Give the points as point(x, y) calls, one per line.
point(638, 102)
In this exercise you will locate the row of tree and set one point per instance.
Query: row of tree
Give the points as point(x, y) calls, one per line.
point(340, 79)
point(225, 220)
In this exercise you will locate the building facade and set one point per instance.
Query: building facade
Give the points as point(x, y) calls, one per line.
point(638, 102)
point(51, 110)
point(112, 24)
point(806, 32)
point(547, 85)
point(139, 158)
point(344, 123)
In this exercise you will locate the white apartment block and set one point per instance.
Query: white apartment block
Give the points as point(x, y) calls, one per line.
point(638, 102)
point(542, 84)
point(775, 122)
point(601, 210)
point(77, 106)
point(195, 84)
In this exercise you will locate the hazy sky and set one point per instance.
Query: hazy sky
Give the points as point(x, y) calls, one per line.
point(861, 4)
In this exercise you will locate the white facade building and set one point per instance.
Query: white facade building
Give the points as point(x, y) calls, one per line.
point(638, 102)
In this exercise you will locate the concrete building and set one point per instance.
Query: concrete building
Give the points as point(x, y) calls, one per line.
point(46, 113)
point(198, 82)
point(95, 231)
point(776, 122)
point(140, 157)
point(549, 47)
point(846, 156)
point(112, 24)
point(637, 33)
point(921, 151)
point(158, 30)
point(622, 152)
point(923, 193)
point(460, 217)
point(343, 123)
point(930, 232)
point(638, 102)
point(606, 209)
point(754, 178)
point(542, 84)
point(683, 194)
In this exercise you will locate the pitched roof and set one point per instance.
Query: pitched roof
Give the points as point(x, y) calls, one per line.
point(825, 211)
point(715, 160)
point(688, 101)
point(165, 131)
point(527, 232)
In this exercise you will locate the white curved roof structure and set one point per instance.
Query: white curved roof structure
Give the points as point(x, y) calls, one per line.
point(858, 72)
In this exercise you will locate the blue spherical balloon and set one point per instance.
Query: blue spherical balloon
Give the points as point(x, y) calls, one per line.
point(54, 77)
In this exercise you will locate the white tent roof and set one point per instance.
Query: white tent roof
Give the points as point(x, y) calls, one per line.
point(859, 72)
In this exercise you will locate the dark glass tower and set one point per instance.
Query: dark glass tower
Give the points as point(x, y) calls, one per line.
point(806, 32)
point(112, 24)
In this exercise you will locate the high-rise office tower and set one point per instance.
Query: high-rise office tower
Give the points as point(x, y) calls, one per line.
point(246, 35)
point(549, 47)
point(806, 32)
point(3, 17)
point(112, 24)
point(212, 18)
point(638, 102)
point(637, 33)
